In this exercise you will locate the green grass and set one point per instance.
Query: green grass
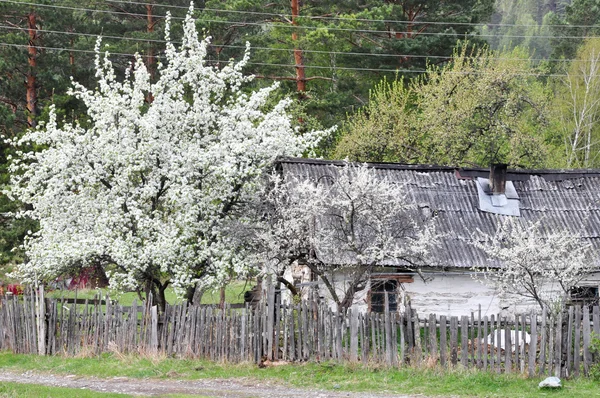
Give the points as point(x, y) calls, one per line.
point(308, 375)
point(125, 299)
point(234, 293)
point(10, 390)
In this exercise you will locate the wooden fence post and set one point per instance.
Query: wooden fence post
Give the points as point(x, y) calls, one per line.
point(40, 304)
point(587, 334)
point(353, 315)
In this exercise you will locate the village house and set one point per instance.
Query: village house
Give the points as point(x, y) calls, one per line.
point(462, 201)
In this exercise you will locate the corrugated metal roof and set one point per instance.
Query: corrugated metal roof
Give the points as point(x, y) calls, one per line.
point(561, 199)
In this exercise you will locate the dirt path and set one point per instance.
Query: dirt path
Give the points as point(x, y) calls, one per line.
point(241, 387)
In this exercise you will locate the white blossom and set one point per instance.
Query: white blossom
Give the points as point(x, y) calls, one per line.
point(539, 263)
point(349, 221)
point(147, 189)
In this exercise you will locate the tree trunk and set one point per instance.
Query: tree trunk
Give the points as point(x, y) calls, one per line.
point(30, 79)
point(298, 59)
point(150, 60)
point(161, 300)
point(222, 298)
point(157, 289)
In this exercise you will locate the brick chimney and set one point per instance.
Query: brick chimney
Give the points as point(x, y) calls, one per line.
point(498, 178)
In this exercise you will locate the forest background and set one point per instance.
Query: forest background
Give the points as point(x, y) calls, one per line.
point(462, 83)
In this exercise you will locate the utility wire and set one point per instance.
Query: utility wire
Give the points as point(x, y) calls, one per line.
point(135, 39)
point(289, 16)
point(2, 44)
point(289, 26)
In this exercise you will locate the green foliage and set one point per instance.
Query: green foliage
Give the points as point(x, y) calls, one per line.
point(383, 130)
point(522, 23)
point(339, 38)
point(483, 107)
point(52, 72)
point(576, 107)
point(580, 19)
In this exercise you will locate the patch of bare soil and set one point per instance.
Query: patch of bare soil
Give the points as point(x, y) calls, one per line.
point(241, 387)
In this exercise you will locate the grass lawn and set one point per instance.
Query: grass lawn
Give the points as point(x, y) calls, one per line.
point(309, 375)
point(10, 390)
point(18, 390)
point(234, 293)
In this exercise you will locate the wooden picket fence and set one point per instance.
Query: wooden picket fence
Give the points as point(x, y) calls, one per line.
point(307, 331)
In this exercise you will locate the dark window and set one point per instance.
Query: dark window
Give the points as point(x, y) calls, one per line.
point(378, 290)
point(584, 295)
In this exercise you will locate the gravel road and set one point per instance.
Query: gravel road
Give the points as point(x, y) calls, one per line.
point(240, 387)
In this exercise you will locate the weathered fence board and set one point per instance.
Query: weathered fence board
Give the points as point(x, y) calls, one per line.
point(526, 343)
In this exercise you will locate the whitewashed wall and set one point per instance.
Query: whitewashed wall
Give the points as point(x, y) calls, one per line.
point(458, 294)
point(450, 293)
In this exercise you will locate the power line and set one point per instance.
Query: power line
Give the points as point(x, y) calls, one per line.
point(289, 26)
point(134, 39)
point(86, 9)
point(71, 50)
point(83, 34)
point(420, 22)
point(2, 44)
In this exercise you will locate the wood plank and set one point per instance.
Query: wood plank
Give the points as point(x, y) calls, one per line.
point(364, 338)
point(443, 341)
point(517, 342)
point(433, 345)
point(293, 352)
point(270, 318)
point(353, 316)
point(374, 345)
point(454, 340)
point(418, 352)
point(464, 349)
point(533, 344)
point(569, 360)
point(558, 346)
point(596, 320)
point(507, 345)
point(393, 319)
point(338, 336)
point(389, 354)
point(473, 346)
point(256, 338)
point(154, 330)
point(485, 344)
point(401, 324)
point(410, 327)
point(543, 341)
point(587, 334)
point(523, 342)
point(499, 344)
point(331, 334)
point(478, 340)
point(577, 342)
point(41, 321)
point(493, 342)
point(277, 325)
point(305, 336)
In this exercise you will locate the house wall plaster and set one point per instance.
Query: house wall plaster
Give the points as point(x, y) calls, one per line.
point(452, 294)
point(459, 294)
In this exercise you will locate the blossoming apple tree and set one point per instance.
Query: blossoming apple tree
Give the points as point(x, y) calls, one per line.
point(146, 190)
point(539, 265)
point(342, 227)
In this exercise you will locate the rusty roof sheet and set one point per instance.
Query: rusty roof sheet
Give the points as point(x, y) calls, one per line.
point(561, 199)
